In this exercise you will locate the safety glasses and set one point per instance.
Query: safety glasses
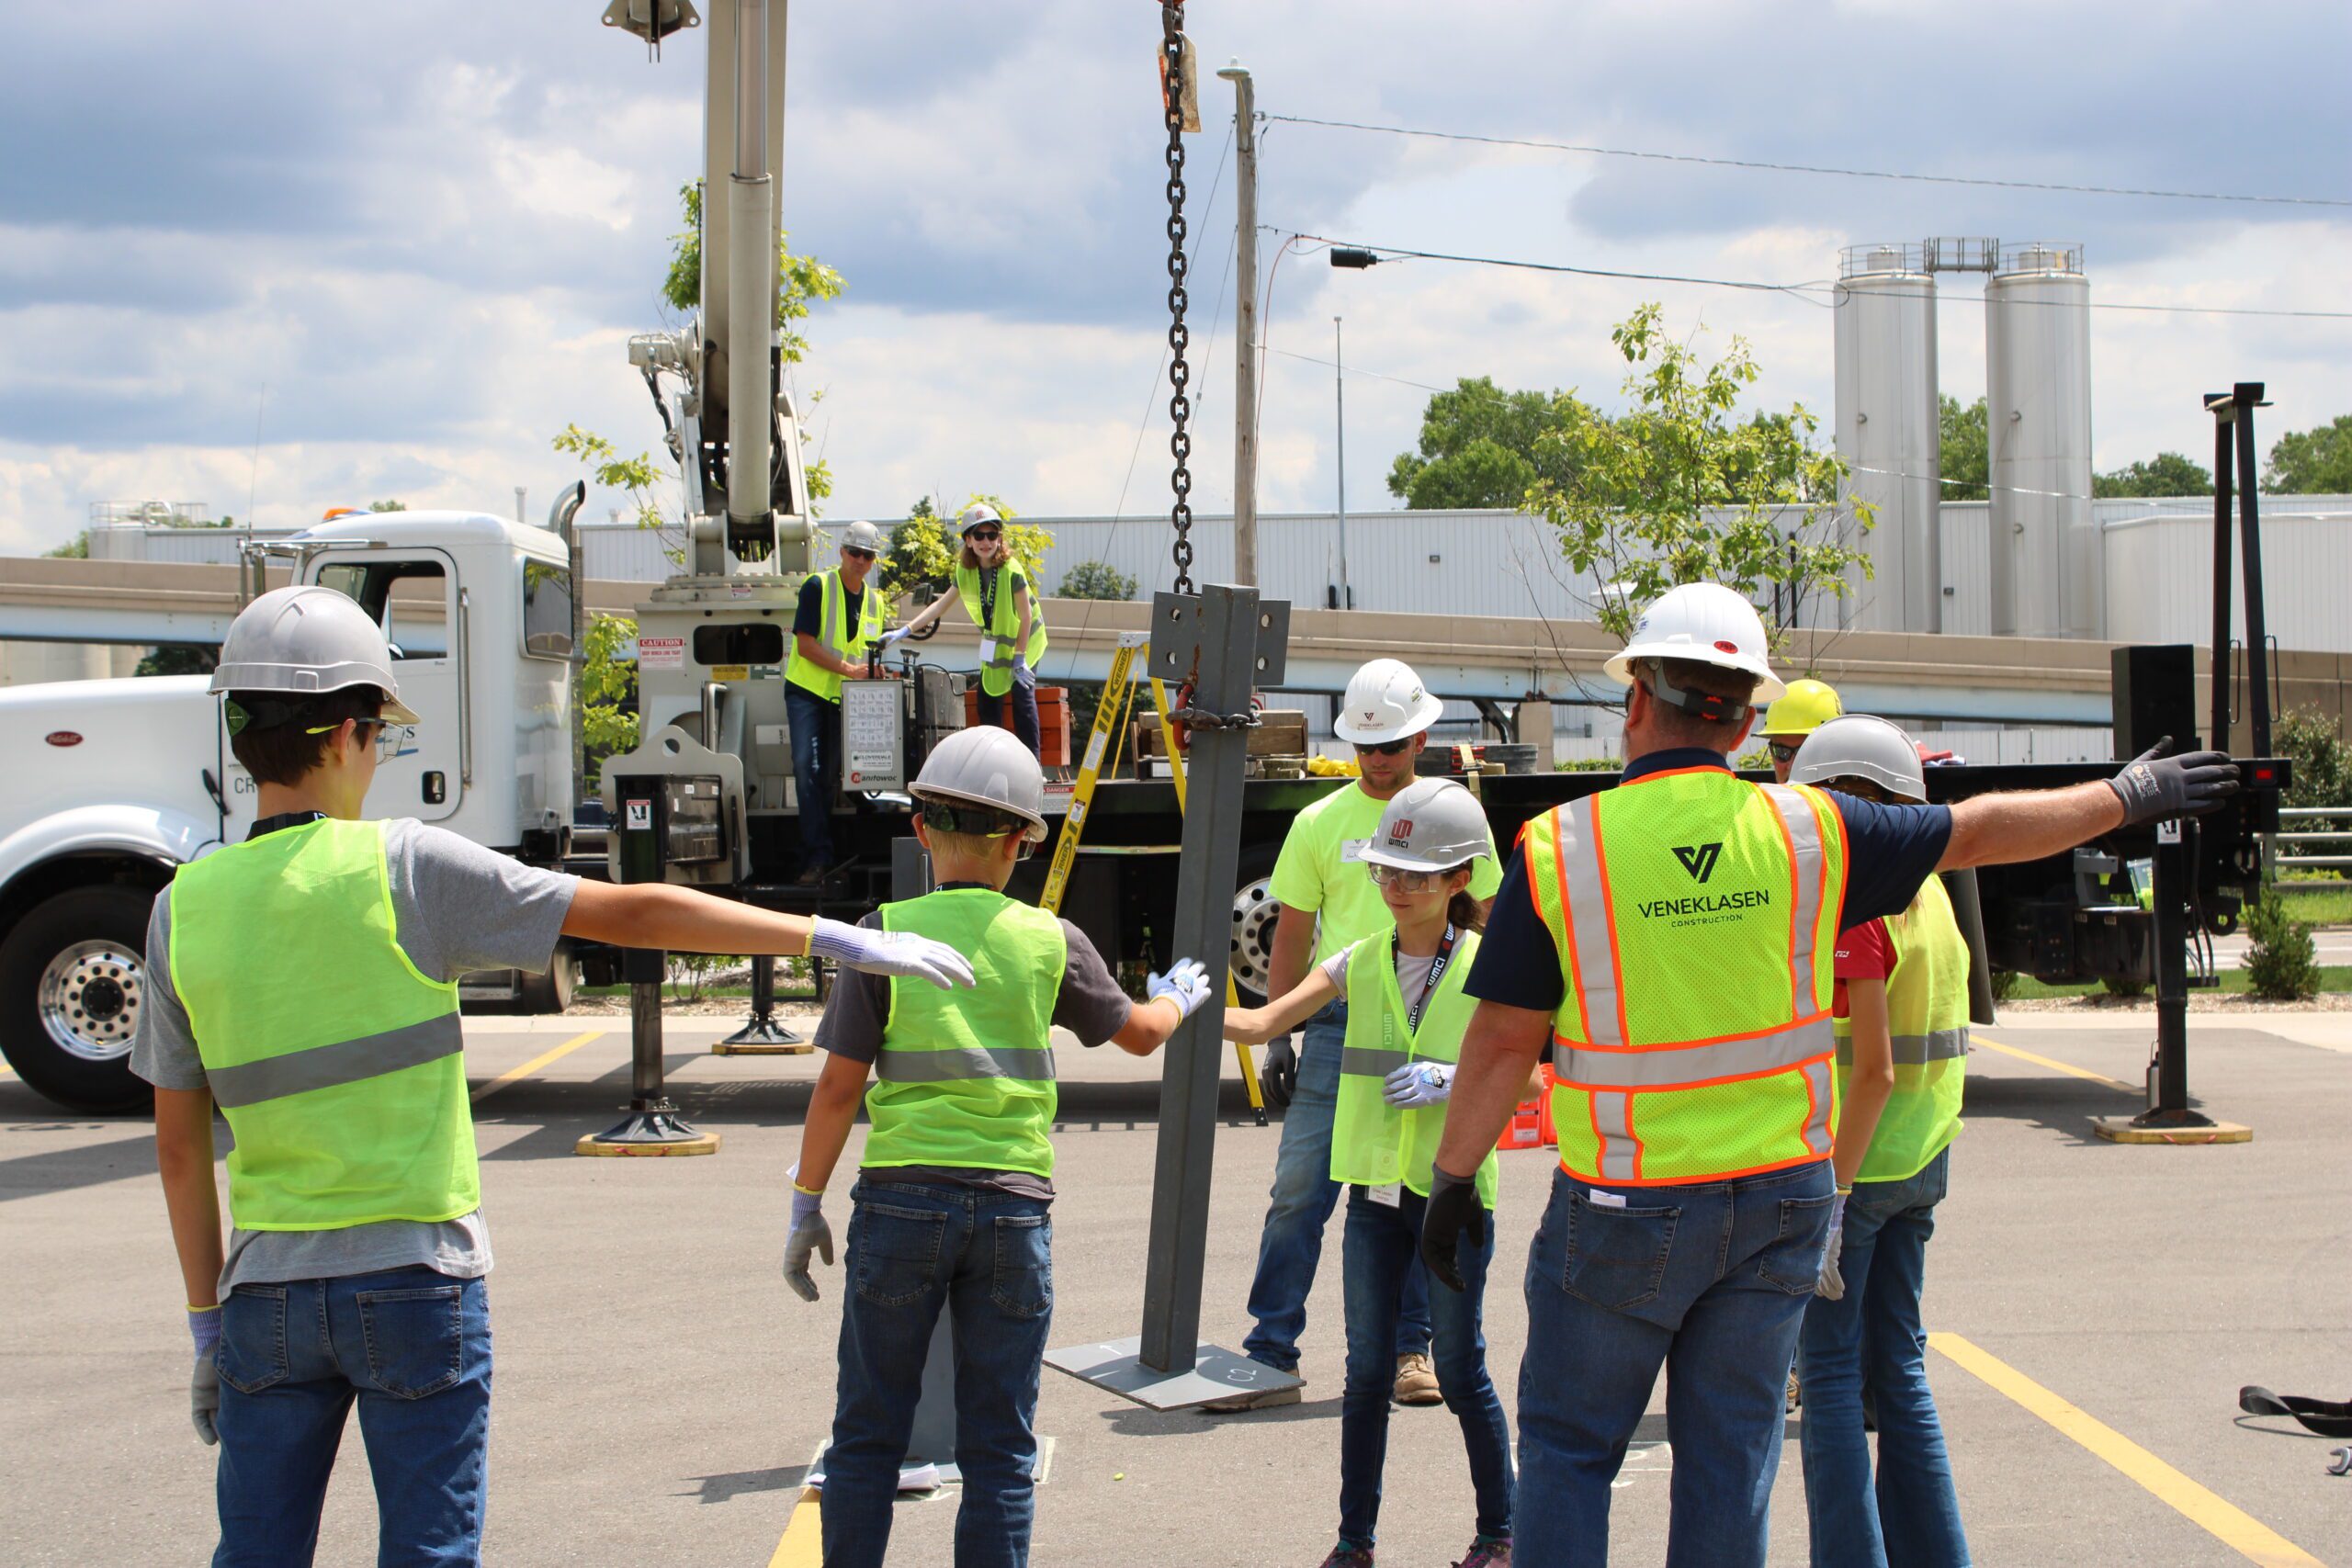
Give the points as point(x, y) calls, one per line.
point(978, 822)
point(985, 536)
point(1785, 750)
point(1384, 749)
point(391, 740)
point(855, 554)
point(1402, 880)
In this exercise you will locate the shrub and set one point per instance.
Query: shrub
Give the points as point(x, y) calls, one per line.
point(1097, 579)
point(2281, 961)
point(2005, 984)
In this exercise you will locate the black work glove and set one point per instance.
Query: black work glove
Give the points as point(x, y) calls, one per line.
point(1453, 1208)
point(2155, 787)
point(1278, 1073)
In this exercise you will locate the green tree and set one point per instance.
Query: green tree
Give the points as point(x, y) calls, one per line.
point(387, 506)
point(1480, 447)
point(1965, 465)
point(75, 548)
point(1634, 502)
point(180, 658)
point(2166, 473)
point(924, 548)
point(2321, 774)
point(2312, 462)
point(1096, 579)
point(607, 691)
point(2281, 961)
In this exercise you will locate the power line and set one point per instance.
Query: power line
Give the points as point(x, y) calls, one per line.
point(1353, 369)
point(1758, 163)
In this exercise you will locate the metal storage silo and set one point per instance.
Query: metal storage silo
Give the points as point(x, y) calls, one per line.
point(1888, 434)
point(2049, 576)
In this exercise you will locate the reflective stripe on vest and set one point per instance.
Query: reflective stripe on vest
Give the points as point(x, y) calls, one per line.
point(833, 632)
point(1694, 917)
point(1004, 629)
point(1375, 1144)
point(1926, 1013)
point(338, 1065)
point(966, 1078)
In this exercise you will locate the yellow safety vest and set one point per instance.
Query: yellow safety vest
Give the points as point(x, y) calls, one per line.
point(1000, 631)
point(339, 1067)
point(1696, 920)
point(1373, 1143)
point(809, 676)
point(1926, 1013)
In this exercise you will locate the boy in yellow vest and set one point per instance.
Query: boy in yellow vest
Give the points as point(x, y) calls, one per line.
point(304, 981)
point(1902, 1033)
point(951, 1210)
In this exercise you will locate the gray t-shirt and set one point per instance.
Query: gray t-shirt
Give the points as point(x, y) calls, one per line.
point(1090, 1005)
point(456, 906)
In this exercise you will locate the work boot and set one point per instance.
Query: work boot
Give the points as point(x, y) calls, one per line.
point(1488, 1553)
point(1417, 1380)
point(1346, 1556)
point(1260, 1399)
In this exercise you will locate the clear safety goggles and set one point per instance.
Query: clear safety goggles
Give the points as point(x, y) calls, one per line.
point(1406, 881)
point(391, 740)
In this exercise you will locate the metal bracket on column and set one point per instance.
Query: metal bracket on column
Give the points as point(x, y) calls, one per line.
point(1217, 647)
point(652, 1126)
point(761, 1035)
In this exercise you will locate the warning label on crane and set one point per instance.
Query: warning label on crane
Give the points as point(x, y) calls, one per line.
point(661, 653)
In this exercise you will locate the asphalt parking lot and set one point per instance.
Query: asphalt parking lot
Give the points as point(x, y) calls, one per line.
point(659, 1394)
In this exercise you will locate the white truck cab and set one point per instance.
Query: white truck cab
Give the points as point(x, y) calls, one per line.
point(131, 778)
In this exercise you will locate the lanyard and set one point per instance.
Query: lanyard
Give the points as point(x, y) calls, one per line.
point(989, 576)
point(1437, 973)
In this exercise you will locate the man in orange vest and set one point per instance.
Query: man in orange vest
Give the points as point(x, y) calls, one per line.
point(1670, 941)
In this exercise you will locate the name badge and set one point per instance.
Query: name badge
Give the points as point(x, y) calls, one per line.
point(1388, 1197)
point(1353, 849)
point(988, 650)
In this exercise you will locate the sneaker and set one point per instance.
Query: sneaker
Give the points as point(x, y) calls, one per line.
point(1486, 1553)
point(1417, 1380)
point(1796, 1393)
point(1346, 1556)
point(1260, 1399)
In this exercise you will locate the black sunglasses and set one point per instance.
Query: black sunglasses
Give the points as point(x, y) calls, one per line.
point(854, 550)
point(1384, 749)
point(984, 534)
point(1785, 750)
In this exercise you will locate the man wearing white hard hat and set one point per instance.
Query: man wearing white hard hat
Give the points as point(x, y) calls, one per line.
point(1329, 904)
point(1672, 942)
point(835, 623)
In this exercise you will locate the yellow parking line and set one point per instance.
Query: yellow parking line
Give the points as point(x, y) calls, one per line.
point(2234, 1528)
point(2053, 1064)
point(535, 1064)
point(803, 1545)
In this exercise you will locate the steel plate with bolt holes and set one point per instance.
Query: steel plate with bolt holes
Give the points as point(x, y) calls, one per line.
point(1174, 635)
point(1117, 1365)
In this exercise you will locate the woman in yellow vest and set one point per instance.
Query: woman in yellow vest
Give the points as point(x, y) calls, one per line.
point(994, 589)
point(1405, 1014)
point(953, 1198)
point(1902, 1033)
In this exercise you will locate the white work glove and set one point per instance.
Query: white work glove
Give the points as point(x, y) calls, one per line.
point(1186, 984)
point(1020, 671)
point(890, 953)
point(204, 1386)
point(811, 1237)
point(1831, 1286)
point(890, 637)
point(1417, 1084)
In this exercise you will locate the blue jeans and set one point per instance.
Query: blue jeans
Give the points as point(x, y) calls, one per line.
point(1709, 1281)
point(816, 771)
point(1303, 1198)
point(1021, 718)
point(411, 1347)
point(1874, 1331)
point(1382, 1250)
point(916, 1249)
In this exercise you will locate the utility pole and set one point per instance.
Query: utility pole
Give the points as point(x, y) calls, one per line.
point(1245, 337)
point(1339, 402)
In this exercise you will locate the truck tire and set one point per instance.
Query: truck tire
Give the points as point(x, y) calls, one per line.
point(1254, 912)
point(72, 980)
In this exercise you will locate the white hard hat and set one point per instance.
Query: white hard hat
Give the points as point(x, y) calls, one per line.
point(1430, 825)
point(980, 512)
point(1861, 746)
point(1708, 623)
point(306, 641)
point(1385, 701)
point(862, 535)
point(986, 766)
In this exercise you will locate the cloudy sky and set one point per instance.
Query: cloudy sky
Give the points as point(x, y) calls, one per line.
point(315, 256)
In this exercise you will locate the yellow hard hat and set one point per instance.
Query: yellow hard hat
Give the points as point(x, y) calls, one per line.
point(1808, 705)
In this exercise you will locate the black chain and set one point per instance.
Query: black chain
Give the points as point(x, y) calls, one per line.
point(1179, 405)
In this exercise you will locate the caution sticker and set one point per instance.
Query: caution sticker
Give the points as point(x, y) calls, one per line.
point(661, 653)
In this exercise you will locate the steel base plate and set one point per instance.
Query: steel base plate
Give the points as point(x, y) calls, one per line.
point(649, 1132)
point(1117, 1366)
point(761, 1037)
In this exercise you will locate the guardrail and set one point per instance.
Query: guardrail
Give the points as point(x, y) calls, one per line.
point(2334, 858)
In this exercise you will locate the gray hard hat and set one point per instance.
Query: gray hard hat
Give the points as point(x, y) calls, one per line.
point(306, 641)
point(862, 537)
point(1861, 746)
point(1430, 825)
point(980, 512)
point(987, 766)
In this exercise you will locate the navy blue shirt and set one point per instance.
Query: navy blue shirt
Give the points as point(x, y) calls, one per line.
point(1890, 851)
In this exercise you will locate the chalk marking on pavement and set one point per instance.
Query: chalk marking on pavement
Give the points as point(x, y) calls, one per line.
point(543, 1059)
point(803, 1545)
point(2226, 1523)
point(2055, 1066)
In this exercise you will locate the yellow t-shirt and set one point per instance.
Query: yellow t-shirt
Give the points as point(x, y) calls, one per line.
point(1321, 868)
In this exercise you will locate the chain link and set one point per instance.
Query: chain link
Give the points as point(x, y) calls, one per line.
point(1174, 49)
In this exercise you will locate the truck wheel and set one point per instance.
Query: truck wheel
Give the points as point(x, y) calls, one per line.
point(1255, 909)
point(549, 993)
point(73, 977)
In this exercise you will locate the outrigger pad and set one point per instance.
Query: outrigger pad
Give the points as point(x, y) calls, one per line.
point(1117, 1366)
point(2329, 1419)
